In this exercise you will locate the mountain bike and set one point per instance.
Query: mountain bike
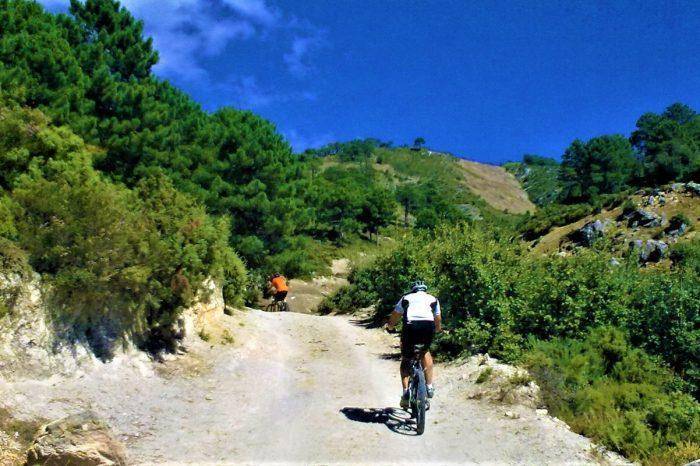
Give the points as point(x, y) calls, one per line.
point(277, 306)
point(417, 389)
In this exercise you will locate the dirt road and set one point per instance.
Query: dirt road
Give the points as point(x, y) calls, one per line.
point(291, 388)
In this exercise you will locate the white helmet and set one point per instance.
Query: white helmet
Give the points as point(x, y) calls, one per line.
point(419, 286)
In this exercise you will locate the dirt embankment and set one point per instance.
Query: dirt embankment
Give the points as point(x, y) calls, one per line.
point(496, 186)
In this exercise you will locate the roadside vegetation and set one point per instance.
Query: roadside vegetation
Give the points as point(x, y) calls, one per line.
point(613, 344)
point(125, 196)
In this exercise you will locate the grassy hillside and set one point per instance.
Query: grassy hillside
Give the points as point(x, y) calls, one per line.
point(497, 187)
point(618, 231)
point(539, 178)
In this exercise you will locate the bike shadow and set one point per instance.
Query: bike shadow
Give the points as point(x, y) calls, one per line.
point(395, 419)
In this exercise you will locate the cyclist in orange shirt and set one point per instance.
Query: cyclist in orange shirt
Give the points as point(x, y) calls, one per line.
point(278, 284)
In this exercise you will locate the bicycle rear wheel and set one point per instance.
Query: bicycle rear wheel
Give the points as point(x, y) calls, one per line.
point(420, 401)
point(274, 306)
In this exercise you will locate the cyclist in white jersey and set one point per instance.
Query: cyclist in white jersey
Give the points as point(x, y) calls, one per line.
point(420, 312)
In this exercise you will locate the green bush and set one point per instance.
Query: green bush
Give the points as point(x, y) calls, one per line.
point(616, 394)
point(119, 261)
point(300, 256)
point(664, 319)
point(539, 177)
point(495, 295)
point(686, 255)
point(484, 375)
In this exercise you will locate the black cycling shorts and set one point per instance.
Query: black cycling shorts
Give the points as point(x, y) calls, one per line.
point(418, 332)
point(280, 295)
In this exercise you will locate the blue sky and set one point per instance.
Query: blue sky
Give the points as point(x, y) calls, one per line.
point(489, 80)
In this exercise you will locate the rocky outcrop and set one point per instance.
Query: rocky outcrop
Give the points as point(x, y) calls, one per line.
point(650, 250)
point(677, 227)
point(209, 306)
point(693, 188)
point(29, 344)
point(10, 450)
point(32, 346)
point(79, 440)
point(591, 231)
point(643, 218)
point(489, 379)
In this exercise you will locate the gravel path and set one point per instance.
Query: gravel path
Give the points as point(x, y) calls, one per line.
point(291, 388)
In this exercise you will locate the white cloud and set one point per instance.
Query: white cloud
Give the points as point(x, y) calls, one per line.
point(300, 142)
point(185, 31)
point(296, 59)
point(247, 93)
point(256, 10)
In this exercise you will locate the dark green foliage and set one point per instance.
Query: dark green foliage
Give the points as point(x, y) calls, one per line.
point(106, 27)
point(608, 390)
point(565, 296)
point(539, 161)
point(664, 319)
point(498, 298)
point(118, 260)
point(539, 177)
point(357, 150)
point(533, 226)
point(669, 144)
point(495, 295)
point(605, 164)
point(351, 199)
point(687, 255)
point(91, 70)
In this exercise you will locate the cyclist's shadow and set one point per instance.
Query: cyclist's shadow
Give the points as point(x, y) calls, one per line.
point(395, 419)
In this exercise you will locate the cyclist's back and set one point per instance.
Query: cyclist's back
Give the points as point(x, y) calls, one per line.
point(278, 283)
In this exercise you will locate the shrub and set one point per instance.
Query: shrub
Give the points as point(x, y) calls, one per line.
point(495, 296)
point(484, 375)
point(616, 394)
point(686, 255)
point(119, 261)
point(628, 206)
point(663, 319)
point(677, 220)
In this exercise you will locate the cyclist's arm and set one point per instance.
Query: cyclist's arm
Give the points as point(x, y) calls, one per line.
point(438, 317)
point(395, 316)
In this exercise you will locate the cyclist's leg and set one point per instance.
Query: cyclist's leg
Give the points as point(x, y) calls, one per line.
point(428, 367)
point(406, 354)
point(426, 335)
point(405, 372)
